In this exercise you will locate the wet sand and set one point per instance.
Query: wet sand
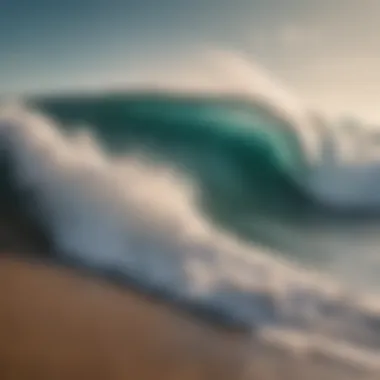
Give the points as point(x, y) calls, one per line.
point(56, 324)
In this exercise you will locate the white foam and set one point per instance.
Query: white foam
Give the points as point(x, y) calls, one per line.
point(347, 175)
point(97, 206)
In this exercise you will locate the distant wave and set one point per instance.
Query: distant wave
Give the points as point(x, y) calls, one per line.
point(217, 202)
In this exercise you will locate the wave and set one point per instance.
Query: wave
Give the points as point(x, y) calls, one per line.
point(219, 203)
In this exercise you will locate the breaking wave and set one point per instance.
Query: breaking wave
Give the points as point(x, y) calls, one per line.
point(239, 205)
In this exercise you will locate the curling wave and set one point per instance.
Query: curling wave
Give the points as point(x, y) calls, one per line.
point(217, 202)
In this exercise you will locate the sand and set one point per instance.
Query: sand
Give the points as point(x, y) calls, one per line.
point(56, 324)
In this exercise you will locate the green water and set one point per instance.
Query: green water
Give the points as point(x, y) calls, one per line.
point(244, 160)
point(238, 153)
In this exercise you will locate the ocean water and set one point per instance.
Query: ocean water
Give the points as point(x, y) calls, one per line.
point(237, 207)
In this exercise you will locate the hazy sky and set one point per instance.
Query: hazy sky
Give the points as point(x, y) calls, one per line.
point(328, 51)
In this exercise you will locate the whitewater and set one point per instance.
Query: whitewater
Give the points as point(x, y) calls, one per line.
point(231, 199)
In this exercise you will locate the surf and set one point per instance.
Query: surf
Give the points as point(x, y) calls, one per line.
point(238, 205)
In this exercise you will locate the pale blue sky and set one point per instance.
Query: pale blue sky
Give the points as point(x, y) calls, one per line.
point(328, 51)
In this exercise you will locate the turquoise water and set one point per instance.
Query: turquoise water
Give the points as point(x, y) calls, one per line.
point(239, 154)
point(248, 163)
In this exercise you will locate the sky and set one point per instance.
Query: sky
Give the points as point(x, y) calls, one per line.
point(325, 51)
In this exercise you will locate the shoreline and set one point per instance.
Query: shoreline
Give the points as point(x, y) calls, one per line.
point(57, 324)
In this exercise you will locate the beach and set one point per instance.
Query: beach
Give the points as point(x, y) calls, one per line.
point(56, 324)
